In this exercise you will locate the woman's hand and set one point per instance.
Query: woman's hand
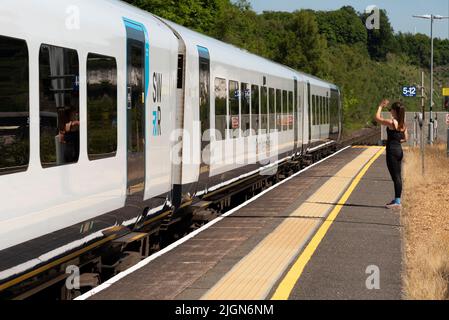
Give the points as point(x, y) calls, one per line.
point(384, 103)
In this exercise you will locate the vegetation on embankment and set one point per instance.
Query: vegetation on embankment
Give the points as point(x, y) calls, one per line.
point(335, 45)
point(425, 218)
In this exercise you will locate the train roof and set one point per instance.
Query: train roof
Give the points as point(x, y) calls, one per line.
point(232, 55)
point(227, 53)
point(224, 52)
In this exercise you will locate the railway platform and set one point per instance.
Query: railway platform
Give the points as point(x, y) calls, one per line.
point(323, 233)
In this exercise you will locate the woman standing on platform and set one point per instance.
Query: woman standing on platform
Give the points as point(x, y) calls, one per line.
point(397, 134)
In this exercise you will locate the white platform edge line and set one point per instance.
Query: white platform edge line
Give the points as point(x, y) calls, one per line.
point(169, 248)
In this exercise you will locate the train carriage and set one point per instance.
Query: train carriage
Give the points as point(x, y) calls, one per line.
point(112, 119)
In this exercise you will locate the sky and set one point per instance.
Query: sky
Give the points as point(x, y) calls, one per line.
point(400, 12)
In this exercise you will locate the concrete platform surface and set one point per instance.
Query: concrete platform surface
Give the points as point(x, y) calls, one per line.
point(248, 254)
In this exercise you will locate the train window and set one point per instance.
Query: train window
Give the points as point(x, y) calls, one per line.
point(59, 106)
point(220, 109)
point(284, 110)
point(204, 92)
point(290, 110)
point(320, 110)
point(264, 110)
point(14, 106)
point(101, 106)
point(255, 109)
point(325, 110)
point(272, 108)
point(323, 113)
point(313, 110)
point(234, 105)
point(323, 119)
point(317, 110)
point(328, 111)
point(278, 110)
point(315, 107)
point(246, 94)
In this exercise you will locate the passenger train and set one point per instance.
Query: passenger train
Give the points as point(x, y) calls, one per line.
point(112, 118)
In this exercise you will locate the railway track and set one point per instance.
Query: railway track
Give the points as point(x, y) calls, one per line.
point(117, 254)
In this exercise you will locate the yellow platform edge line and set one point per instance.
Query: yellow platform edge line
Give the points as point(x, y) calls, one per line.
point(288, 283)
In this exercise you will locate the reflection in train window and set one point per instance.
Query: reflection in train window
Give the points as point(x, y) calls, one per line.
point(59, 106)
point(320, 107)
point(101, 106)
point(234, 108)
point(314, 109)
point(319, 110)
point(14, 106)
point(322, 110)
point(220, 109)
point(264, 111)
point(290, 115)
point(246, 95)
point(278, 110)
point(284, 110)
point(272, 107)
point(255, 109)
point(325, 110)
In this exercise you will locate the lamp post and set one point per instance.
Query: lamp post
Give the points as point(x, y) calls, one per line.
point(431, 17)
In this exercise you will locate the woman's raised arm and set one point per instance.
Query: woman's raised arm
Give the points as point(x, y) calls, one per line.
point(379, 119)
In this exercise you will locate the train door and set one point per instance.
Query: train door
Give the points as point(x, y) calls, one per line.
point(309, 109)
point(295, 114)
point(204, 108)
point(334, 130)
point(301, 114)
point(136, 54)
point(319, 113)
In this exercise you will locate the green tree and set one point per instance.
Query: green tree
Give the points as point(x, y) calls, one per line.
point(342, 26)
point(199, 15)
point(303, 46)
point(380, 41)
point(415, 47)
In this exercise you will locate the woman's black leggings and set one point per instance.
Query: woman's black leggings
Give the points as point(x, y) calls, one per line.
point(394, 164)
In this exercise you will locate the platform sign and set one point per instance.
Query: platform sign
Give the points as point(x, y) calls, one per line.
point(409, 91)
point(445, 92)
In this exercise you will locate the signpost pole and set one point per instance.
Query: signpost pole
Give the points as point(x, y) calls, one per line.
point(446, 106)
point(421, 124)
point(431, 139)
point(447, 139)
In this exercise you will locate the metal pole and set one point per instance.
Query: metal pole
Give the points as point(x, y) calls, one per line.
point(448, 142)
point(421, 125)
point(431, 83)
point(415, 130)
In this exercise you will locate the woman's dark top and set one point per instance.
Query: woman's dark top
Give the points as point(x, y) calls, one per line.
point(394, 136)
point(72, 146)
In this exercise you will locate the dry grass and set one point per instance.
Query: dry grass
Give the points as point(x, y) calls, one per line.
point(426, 225)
